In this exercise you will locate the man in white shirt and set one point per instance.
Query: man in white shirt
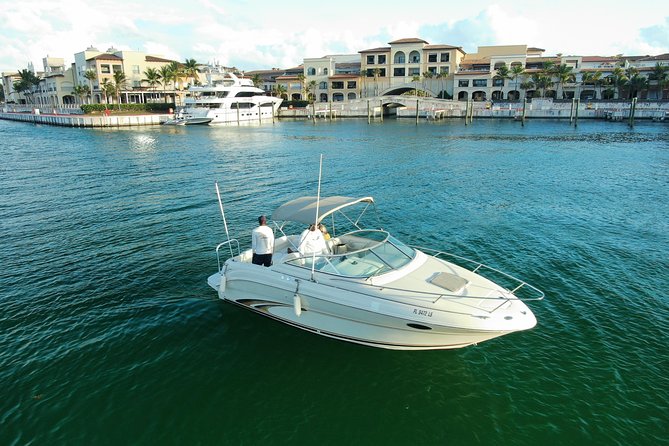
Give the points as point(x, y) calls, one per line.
point(312, 241)
point(262, 243)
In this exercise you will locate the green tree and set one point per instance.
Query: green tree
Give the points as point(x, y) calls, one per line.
point(593, 79)
point(151, 77)
point(636, 83)
point(120, 80)
point(542, 82)
point(375, 73)
point(503, 74)
point(257, 80)
point(415, 79)
point(26, 84)
point(311, 91)
point(617, 78)
point(166, 77)
point(80, 91)
point(301, 78)
point(90, 75)
point(108, 89)
point(440, 77)
point(660, 75)
point(517, 71)
point(564, 74)
point(281, 91)
point(190, 70)
point(427, 76)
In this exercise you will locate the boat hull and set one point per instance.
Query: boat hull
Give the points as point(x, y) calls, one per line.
point(344, 316)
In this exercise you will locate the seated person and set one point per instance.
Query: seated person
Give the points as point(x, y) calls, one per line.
point(324, 230)
point(312, 242)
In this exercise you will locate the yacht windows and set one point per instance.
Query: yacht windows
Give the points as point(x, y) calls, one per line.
point(242, 105)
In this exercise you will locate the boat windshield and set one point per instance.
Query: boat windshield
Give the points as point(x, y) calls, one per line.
point(364, 253)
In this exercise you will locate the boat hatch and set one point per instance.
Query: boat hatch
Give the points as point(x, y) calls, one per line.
point(449, 282)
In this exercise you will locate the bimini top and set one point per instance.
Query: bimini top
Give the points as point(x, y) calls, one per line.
point(303, 210)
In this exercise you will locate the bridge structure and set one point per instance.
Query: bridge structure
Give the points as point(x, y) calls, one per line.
point(390, 106)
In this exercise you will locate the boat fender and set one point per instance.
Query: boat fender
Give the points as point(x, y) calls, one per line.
point(297, 305)
point(221, 284)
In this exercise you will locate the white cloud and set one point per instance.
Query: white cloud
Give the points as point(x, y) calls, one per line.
point(250, 35)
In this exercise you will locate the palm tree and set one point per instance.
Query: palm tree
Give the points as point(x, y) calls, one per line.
point(564, 75)
point(594, 79)
point(108, 89)
point(636, 84)
point(542, 82)
point(190, 69)
point(90, 75)
point(526, 85)
point(311, 88)
point(301, 77)
point(415, 79)
point(427, 75)
point(440, 77)
point(517, 70)
point(119, 85)
point(376, 73)
point(26, 84)
point(502, 73)
point(80, 91)
point(617, 78)
point(166, 76)
point(281, 91)
point(660, 74)
point(152, 77)
point(257, 80)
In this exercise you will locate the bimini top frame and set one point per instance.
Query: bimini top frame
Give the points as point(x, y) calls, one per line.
point(303, 209)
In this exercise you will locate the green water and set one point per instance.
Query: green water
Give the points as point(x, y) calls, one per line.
point(110, 335)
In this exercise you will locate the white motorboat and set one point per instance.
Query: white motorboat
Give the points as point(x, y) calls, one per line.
point(183, 118)
point(231, 100)
point(370, 288)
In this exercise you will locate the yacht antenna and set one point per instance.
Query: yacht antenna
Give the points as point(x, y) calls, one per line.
point(318, 202)
point(225, 223)
point(318, 194)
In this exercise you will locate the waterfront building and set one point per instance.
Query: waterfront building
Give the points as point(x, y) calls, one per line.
point(333, 78)
point(55, 87)
point(132, 63)
point(477, 79)
point(410, 64)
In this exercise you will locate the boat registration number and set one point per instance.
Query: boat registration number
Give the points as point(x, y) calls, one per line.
point(422, 312)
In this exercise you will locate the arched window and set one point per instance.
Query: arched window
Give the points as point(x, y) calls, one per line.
point(338, 97)
point(351, 96)
point(324, 97)
point(325, 71)
point(399, 57)
point(414, 57)
point(311, 71)
point(323, 85)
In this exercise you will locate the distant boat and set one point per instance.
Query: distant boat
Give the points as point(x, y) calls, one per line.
point(182, 118)
point(232, 100)
point(367, 287)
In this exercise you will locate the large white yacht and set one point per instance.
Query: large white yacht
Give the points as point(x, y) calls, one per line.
point(369, 288)
point(230, 100)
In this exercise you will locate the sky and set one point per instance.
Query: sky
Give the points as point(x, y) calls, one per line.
point(254, 34)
